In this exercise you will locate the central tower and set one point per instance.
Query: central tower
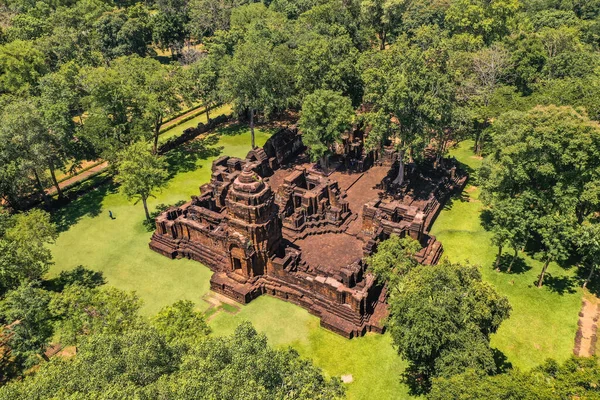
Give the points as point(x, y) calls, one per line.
point(254, 226)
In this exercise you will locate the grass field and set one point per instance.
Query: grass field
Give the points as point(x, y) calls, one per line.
point(543, 322)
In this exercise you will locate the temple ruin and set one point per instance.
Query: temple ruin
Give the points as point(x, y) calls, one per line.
point(273, 223)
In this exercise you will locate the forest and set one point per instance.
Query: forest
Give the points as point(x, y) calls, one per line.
point(89, 80)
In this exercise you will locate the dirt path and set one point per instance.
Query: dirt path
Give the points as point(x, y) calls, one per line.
point(585, 340)
point(79, 177)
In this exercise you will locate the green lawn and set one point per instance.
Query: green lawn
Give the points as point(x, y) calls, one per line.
point(543, 322)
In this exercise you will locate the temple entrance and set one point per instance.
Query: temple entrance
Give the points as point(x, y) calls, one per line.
point(237, 266)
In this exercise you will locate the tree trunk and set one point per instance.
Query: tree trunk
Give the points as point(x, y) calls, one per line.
point(325, 163)
point(382, 38)
point(55, 181)
point(252, 127)
point(207, 114)
point(513, 260)
point(400, 178)
point(157, 124)
point(144, 201)
point(41, 188)
point(589, 278)
point(541, 280)
point(498, 257)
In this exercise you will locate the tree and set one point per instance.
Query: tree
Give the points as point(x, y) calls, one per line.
point(575, 378)
point(257, 78)
point(123, 33)
point(209, 16)
point(170, 24)
point(548, 157)
point(324, 62)
point(587, 241)
point(489, 66)
point(382, 16)
point(243, 365)
point(140, 363)
point(21, 65)
point(29, 320)
point(83, 311)
point(410, 86)
point(324, 117)
point(200, 81)
point(127, 102)
point(160, 97)
point(180, 322)
point(442, 318)
point(24, 134)
point(25, 256)
point(394, 258)
point(140, 173)
point(510, 223)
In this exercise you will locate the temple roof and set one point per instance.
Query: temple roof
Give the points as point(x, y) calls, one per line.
point(248, 181)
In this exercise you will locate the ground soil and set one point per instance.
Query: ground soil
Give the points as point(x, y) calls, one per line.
point(588, 319)
point(79, 177)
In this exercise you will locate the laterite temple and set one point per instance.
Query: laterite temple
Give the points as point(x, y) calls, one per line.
point(273, 223)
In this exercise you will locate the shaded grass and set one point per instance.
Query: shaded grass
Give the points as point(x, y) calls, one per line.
point(543, 321)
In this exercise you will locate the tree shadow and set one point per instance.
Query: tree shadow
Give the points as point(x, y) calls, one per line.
point(234, 129)
point(185, 158)
point(160, 208)
point(519, 266)
point(88, 204)
point(418, 383)
point(462, 197)
point(501, 361)
point(560, 284)
point(79, 276)
point(593, 286)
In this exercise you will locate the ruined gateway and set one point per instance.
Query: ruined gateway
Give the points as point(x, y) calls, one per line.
point(273, 224)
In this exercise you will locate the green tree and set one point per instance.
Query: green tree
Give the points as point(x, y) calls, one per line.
point(200, 81)
point(25, 310)
point(21, 65)
point(323, 62)
point(82, 311)
point(324, 117)
point(410, 86)
point(510, 223)
point(548, 156)
point(257, 78)
point(442, 318)
point(575, 378)
point(25, 255)
point(127, 102)
point(588, 248)
point(382, 16)
point(181, 322)
point(140, 173)
point(394, 258)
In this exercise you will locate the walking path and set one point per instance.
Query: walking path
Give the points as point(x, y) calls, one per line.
point(79, 177)
point(585, 340)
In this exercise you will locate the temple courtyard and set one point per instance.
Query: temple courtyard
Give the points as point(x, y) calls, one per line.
point(119, 248)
